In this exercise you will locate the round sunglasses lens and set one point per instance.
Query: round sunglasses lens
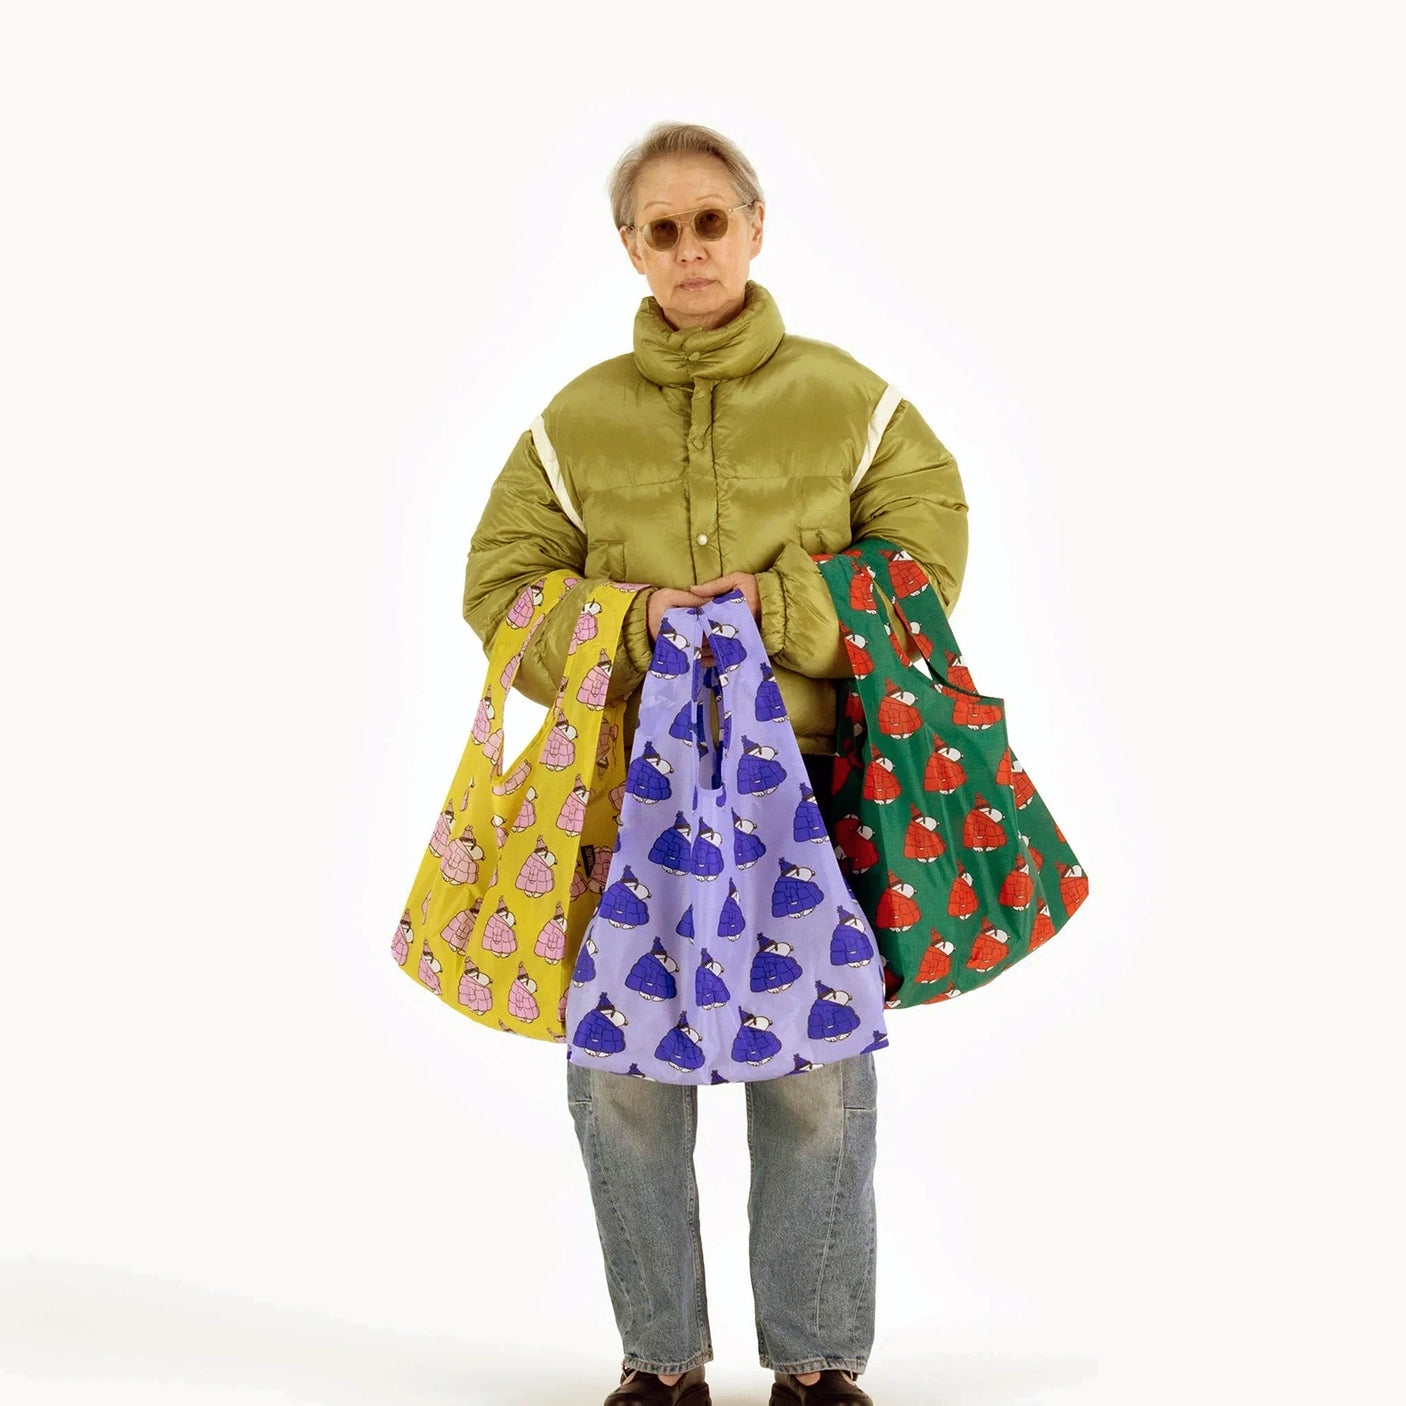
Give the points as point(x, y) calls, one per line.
point(710, 224)
point(662, 234)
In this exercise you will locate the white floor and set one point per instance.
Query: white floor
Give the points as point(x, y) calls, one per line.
point(74, 1334)
point(70, 1334)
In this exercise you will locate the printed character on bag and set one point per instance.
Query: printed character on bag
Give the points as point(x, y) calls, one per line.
point(517, 858)
point(953, 853)
point(727, 945)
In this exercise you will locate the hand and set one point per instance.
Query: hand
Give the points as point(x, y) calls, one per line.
point(743, 581)
point(664, 598)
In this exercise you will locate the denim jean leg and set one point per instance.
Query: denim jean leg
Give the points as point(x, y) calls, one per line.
point(637, 1140)
point(813, 1215)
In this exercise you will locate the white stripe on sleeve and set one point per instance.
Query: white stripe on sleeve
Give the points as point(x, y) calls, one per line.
point(548, 456)
point(883, 413)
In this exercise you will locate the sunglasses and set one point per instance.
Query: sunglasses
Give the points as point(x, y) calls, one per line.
point(709, 223)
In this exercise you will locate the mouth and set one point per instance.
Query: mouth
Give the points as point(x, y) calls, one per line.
point(693, 283)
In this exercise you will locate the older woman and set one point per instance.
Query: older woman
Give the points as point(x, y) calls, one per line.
point(721, 452)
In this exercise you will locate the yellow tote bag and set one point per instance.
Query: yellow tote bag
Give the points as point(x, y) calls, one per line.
point(518, 859)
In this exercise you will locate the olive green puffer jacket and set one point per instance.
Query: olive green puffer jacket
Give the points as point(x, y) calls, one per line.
point(705, 451)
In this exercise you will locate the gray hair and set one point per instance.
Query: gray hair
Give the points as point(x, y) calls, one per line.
point(666, 139)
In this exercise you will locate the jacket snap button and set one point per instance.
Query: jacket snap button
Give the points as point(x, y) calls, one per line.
point(693, 356)
point(702, 539)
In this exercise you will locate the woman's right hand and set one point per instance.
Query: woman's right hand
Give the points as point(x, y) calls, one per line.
point(664, 598)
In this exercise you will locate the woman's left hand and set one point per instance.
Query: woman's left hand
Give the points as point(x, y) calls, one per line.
point(743, 581)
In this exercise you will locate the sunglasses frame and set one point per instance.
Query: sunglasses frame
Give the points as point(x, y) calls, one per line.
point(693, 214)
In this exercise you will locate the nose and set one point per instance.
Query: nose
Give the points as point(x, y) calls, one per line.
point(689, 245)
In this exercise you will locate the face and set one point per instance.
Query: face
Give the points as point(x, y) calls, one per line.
point(697, 283)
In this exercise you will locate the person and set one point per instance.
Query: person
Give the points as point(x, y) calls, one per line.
point(722, 452)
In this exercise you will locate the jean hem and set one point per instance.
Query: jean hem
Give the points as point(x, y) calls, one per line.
point(648, 1364)
point(814, 1364)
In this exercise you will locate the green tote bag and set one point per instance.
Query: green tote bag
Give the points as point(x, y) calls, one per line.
point(949, 848)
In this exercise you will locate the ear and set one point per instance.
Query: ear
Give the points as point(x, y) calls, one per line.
point(756, 245)
point(631, 248)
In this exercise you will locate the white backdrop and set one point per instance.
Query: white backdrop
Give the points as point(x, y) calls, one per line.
point(283, 283)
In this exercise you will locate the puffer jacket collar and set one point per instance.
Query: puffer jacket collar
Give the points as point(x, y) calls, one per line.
point(671, 356)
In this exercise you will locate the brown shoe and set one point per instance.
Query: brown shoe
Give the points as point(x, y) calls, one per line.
point(639, 1388)
point(834, 1384)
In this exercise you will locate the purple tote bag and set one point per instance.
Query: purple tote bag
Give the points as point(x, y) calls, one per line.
point(727, 945)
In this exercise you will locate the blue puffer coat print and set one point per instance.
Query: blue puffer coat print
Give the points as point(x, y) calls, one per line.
point(701, 964)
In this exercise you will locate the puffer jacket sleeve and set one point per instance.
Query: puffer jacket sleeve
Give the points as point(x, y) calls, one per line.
point(523, 534)
point(912, 495)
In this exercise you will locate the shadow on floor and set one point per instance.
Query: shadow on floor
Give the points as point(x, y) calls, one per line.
point(110, 1328)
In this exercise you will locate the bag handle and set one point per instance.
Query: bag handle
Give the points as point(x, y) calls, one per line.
point(606, 605)
point(695, 625)
point(866, 631)
point(910, 594)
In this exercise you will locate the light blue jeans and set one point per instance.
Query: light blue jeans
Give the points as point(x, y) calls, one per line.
point(811, 1213)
